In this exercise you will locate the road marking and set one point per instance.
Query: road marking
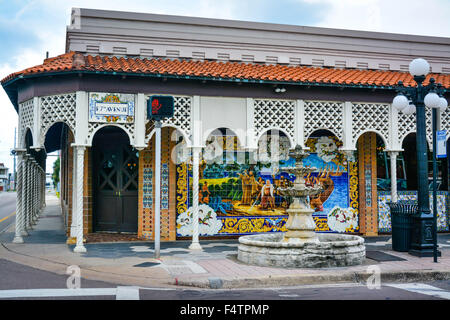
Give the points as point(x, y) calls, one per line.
point(40, 293)
point(121, 292)
point(289, 295)
point(422, 289)
point(7, 217)
point(127, 293)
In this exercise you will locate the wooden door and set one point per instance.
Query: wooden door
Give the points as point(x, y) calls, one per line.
point(115, 182)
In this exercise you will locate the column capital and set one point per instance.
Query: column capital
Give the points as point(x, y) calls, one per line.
point(79, 146)
point(197, 148)
point(394, 152)
point(20, 151)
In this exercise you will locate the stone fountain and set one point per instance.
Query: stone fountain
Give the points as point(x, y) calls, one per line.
point(301, 246)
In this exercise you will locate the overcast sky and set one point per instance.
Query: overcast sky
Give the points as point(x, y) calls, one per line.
point(30, 28)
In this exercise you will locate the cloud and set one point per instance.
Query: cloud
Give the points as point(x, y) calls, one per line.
point(429, 18)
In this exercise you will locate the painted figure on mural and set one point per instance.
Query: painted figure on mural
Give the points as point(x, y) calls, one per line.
point(203, 196)
point(254, 188)
point(267, 197)
point(323, 179)
point(246, 188)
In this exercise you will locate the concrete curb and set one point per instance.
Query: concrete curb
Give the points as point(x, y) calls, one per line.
point(279, 281)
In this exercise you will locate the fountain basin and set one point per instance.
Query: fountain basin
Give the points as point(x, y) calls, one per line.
point(332, 250)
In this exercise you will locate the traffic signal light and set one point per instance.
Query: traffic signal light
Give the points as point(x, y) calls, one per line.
point(160, 107)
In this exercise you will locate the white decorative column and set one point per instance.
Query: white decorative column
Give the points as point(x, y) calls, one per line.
point(25, 193)
point(34, 194)
point(195, 245)
point(196, 149)
point(347, 127)
point(139, 122)
point(42, 189)
point(300, 123)
point(251, 142)
point(29, 195)
point(73, 225)
point(79, 149)
point(20, 226)
point(393, 156)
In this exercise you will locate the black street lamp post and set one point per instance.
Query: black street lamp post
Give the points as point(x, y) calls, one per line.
point(408, 100)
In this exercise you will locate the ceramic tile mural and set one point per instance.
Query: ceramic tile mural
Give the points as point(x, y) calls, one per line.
point(164, 186)
point(384, 214)
point(148, 188)
point(238, 198)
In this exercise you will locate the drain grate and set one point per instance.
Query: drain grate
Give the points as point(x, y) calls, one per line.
point(146, 264)
point(382, 256)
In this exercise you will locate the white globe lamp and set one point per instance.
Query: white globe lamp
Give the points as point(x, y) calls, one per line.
point(410, 109)
point(400, 102)
point(419, 67)
point(432, 100)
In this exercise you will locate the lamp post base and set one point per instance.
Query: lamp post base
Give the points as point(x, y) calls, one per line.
point(423, 253)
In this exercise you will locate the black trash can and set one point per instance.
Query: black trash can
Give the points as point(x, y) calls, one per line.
point(402, 222)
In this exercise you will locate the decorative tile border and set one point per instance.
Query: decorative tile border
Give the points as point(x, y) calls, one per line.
point(164, 186)
point(384, 213)
point(148, 188)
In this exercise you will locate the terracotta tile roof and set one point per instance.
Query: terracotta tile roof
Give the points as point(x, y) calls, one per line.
point(226, 70)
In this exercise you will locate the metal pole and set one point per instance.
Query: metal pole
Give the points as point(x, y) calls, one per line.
point(434, 123)
point(423, 218)
point(157, 188)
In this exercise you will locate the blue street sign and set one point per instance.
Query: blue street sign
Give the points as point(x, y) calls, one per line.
point(441, 144)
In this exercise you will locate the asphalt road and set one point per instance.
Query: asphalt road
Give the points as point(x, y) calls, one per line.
point(7, 209)
point(19, 282)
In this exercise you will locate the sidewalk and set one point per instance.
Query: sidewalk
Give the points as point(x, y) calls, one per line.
point(133, 263)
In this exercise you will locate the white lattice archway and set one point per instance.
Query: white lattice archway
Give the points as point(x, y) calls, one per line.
point(181, 120)
point(26, 121)
point(207, 135)
point(368, 117)
point(291, 141)
point(275, 114)
point(93, 127)
point(407, 125)
point(56, 108)
point(386, 142)
point(324, 115)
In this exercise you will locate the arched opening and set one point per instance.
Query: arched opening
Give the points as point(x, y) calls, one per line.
point(410, 161)
point(409, 156)
point(337, 174)
point(115, 182)
point(57, 146)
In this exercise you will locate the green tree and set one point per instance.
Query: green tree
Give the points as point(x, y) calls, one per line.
point(55, 175)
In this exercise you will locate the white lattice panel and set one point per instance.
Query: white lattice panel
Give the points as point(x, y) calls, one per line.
point(57, 108)
point(445, 121)
point(271, 114)
point(370, 117)
point(324, 115)
point(181, 114)
point(26, 119)
point(407, 125)
point(429, 125)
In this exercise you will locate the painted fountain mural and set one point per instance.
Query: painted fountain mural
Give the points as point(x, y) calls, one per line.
point(301, 246)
